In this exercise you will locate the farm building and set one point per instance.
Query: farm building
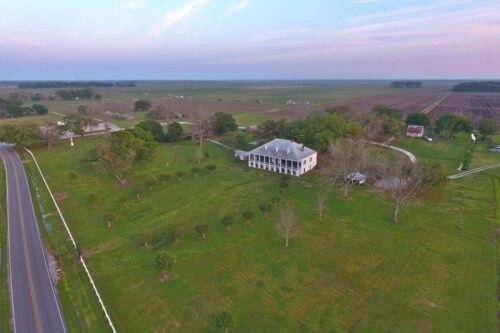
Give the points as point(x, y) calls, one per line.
point(283, 156)
point(415, 131)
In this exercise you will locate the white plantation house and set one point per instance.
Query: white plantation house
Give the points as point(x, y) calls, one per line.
point(283, 156)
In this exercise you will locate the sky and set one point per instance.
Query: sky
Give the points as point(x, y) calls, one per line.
point(249, 39)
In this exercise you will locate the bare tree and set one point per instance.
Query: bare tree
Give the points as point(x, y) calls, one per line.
point(49, 133)
point(405, 181)
point(201, 124)
point(88, 113)
point(286, 226)
point(346, 157)
point(321, 204)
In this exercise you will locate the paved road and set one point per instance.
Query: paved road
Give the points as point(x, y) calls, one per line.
point(33, 300)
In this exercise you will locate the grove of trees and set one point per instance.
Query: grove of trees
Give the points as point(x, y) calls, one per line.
point(72, 94)
point(449, 124)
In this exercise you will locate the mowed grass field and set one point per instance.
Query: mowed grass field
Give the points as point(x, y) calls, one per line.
point(353, 271)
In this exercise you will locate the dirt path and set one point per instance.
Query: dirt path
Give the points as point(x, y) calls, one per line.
point(473, 171)
point(431, 107)
point(410, 155)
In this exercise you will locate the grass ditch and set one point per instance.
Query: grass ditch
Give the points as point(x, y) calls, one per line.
point(79, 304)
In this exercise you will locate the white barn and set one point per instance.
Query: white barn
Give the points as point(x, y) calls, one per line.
point(283, 156)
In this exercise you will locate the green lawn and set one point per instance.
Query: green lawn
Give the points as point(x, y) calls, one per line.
point(449, 152)
point(354, 271)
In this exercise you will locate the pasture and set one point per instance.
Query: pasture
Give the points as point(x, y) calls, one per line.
point(352, 271)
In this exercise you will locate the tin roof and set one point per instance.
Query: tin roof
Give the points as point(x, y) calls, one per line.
point(285, 149)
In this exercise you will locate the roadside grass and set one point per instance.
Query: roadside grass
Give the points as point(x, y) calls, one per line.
point(79, 304)
point(353, 271)
point(4, 289)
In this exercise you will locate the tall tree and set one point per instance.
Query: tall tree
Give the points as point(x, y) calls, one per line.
point(391, 118)
point(321, 204)
point(142, 105)
point(49, 133)
point(271, 129)
point(451, 123)
point(487, 126)
point(406, 180)
point(223, 122)
point(40, 109)
point(346, 157)
point(174, 132)
point(287, 226)
point(201, 125)
point(88, 114)
point(74, 123)
point(418, 118)
point(153, 127)
point(120, 152)
point(26, 134)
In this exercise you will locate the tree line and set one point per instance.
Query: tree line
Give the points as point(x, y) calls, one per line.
point(484, 86)
point(12, 107)
point(72, 84)
point(406, 84)
point(73, 94)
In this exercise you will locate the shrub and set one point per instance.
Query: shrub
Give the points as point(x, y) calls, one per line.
point(72, 176)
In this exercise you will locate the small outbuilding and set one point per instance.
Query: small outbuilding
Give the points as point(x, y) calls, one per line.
point(241, 155)
point(356, 178)
point(415, 131)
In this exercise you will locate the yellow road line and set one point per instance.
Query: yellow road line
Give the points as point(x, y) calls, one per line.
point(25, 246)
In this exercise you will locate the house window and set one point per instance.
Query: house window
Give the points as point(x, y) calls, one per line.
point(310, 159)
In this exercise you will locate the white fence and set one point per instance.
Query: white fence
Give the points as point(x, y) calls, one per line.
point(103, 307)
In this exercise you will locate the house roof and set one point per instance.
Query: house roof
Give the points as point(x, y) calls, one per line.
point(415, 129)
point(285, 149)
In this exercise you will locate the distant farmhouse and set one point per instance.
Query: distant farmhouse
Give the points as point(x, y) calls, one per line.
point(282, 156)
point(297, 102)
point(415, 131)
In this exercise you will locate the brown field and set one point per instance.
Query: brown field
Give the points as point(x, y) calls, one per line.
point(406, 101)
point(474, 106)
point(252, 103)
